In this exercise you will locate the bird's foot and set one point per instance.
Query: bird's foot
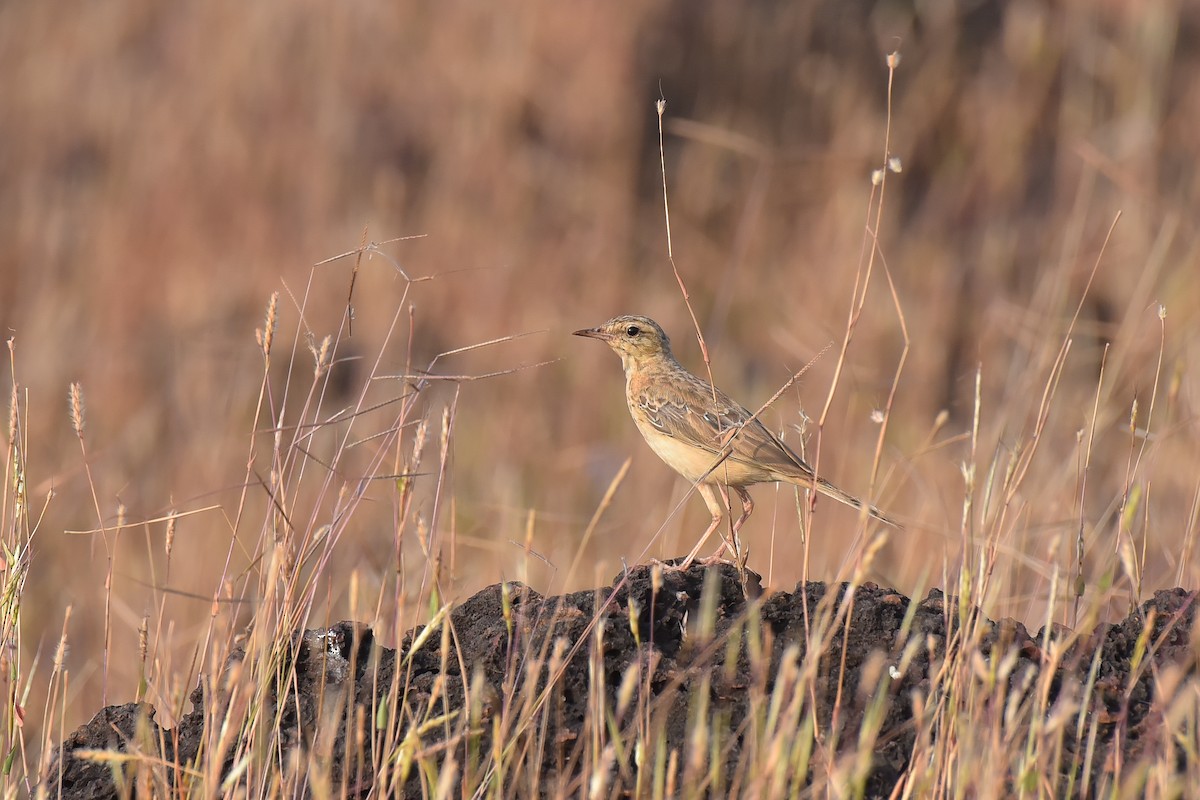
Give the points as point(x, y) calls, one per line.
point(691, 561)
point(716, 558)
point(673, 566)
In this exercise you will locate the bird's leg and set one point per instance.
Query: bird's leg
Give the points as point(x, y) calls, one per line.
point(727, 545)
point(747, 507)
point(733, 545)
point(714, 506)
point(730, 545)
point(747, 510)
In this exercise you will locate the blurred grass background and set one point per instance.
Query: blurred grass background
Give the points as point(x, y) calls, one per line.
point(164, 168)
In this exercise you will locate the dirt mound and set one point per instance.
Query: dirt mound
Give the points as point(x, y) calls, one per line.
point(507, 643)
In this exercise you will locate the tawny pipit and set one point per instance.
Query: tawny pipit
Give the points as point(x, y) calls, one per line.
point(699, 431)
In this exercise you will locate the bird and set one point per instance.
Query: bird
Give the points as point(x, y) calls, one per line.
point(700, 432)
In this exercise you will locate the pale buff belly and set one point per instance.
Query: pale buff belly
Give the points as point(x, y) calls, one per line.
point(694, 463)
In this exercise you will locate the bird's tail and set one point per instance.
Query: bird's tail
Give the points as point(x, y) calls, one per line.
point(829, 490)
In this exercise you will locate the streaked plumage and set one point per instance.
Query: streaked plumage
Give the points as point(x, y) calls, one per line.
point(690, 425)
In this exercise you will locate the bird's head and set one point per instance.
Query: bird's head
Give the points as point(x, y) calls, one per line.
point(637, 340)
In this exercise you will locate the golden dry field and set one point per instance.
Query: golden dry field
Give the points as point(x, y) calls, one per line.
point(1002, 336)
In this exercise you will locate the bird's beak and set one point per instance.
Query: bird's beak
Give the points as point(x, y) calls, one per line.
point(594, 333)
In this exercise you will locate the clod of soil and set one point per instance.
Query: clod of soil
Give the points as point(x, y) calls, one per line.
point(503, 641)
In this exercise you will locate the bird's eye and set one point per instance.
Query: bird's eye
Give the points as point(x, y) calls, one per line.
point(632, 330)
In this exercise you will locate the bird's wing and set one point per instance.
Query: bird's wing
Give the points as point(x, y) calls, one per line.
point(686, 409)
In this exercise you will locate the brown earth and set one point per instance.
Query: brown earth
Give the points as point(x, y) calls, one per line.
point(1123, 705)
